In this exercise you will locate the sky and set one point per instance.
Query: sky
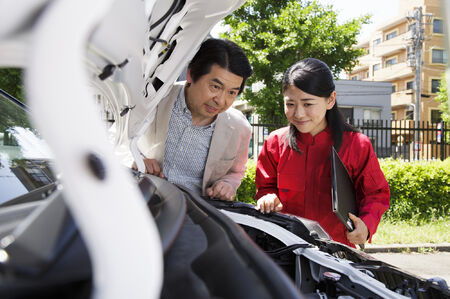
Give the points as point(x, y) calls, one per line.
point(381, 10)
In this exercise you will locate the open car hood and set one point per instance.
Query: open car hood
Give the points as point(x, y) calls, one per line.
point(124, 55)
point(134, 54)
point(149, 49)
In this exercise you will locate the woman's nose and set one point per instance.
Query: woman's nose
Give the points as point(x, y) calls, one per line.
point(299, 112)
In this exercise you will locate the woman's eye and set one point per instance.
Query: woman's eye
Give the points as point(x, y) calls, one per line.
point(289, 105)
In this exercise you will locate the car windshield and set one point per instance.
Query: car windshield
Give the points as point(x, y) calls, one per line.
point(24, 155)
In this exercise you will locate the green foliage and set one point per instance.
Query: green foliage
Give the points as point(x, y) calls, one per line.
point(442, 98)
point(10, 114)
point(277, 33)
point(247, 189)
point(11, 82)
point(420, 191)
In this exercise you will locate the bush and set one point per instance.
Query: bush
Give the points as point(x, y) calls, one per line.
point(247, 190)
point(420, 191)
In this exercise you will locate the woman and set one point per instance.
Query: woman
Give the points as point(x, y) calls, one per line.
point(293, 169)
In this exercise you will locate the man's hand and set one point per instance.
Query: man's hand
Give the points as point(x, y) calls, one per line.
point(151, 167)
point(360, 234)
point(269, 202)
point(221, 190)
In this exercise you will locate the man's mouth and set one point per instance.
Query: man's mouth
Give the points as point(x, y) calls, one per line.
point(211, 109)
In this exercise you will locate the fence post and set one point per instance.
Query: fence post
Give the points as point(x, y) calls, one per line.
point(440, 126)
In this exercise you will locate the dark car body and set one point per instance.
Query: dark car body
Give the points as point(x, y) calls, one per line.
point(71, 223)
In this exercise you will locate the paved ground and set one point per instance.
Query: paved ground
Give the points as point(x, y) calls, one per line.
point(425, 265)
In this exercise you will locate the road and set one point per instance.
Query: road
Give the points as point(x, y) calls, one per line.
point(425, 265)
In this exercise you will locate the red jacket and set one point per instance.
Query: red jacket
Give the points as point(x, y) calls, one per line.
point(303, 181)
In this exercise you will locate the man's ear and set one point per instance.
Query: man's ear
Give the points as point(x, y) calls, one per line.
point(331, 100)
point(188, 76)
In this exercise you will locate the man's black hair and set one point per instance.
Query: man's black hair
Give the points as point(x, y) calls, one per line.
point(224, 53)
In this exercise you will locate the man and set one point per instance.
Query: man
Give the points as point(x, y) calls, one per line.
point(196, 140)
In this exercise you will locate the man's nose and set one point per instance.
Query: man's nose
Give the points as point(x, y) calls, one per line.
point(219, 98)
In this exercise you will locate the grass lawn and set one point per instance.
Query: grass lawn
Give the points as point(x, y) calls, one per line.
point(407, 233)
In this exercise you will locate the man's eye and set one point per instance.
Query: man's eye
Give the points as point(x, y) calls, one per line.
point(289, 105)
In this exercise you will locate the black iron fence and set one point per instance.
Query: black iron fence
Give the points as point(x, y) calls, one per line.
point(404, 139)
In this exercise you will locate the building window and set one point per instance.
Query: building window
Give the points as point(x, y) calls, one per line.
point(409, 115)
point(438, 26)
point(438, 56)
point(347, 112)
point(372, 114)
point(376, 41)
point(394, 88)
point(435, 83)
point(436, 116)
point(376, 67)
point(354, 78)
point(391, 61)
point(410, 85)
point(367, 74)
point(394, 115)
point(391, 35)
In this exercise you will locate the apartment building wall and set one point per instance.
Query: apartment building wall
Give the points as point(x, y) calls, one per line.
point(387, 60)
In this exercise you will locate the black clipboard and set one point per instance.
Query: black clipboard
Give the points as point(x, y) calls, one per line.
point(343, 194)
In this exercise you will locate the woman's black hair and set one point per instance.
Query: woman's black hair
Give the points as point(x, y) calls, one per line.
point(226, 54)
point(313, 76)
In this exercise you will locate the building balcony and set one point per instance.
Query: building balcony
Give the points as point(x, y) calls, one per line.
point(402, 98)
point(393, 72)
point(392, 46)
point(364, 63)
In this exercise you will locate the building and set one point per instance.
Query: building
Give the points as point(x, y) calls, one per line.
point(390, 57)
point(360, 100)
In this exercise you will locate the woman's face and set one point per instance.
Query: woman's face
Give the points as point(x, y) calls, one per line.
point(306, 111)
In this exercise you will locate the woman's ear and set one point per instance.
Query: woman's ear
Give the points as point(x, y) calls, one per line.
point(331, 100)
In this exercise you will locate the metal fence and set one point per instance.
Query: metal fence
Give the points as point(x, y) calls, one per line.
point(403, 139)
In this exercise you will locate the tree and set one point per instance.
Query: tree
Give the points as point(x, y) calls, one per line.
point(277, 33)
point(11, 82)
point(10, 114)
point(442, 98)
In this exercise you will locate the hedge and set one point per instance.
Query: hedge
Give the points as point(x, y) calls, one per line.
point(420, 191)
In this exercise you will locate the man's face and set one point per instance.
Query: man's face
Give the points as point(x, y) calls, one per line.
point(211, 94)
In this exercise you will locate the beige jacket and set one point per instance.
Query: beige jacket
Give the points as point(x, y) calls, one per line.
point(228, 151)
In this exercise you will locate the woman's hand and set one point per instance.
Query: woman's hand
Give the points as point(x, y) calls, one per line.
point(269, 202)
point(360, 234)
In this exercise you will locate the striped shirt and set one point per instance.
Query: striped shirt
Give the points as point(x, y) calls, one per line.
point(186, 148)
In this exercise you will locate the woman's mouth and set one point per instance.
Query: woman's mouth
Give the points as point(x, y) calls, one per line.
point(300, 123)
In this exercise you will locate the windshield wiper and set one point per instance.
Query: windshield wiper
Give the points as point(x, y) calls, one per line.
point(14, 100)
